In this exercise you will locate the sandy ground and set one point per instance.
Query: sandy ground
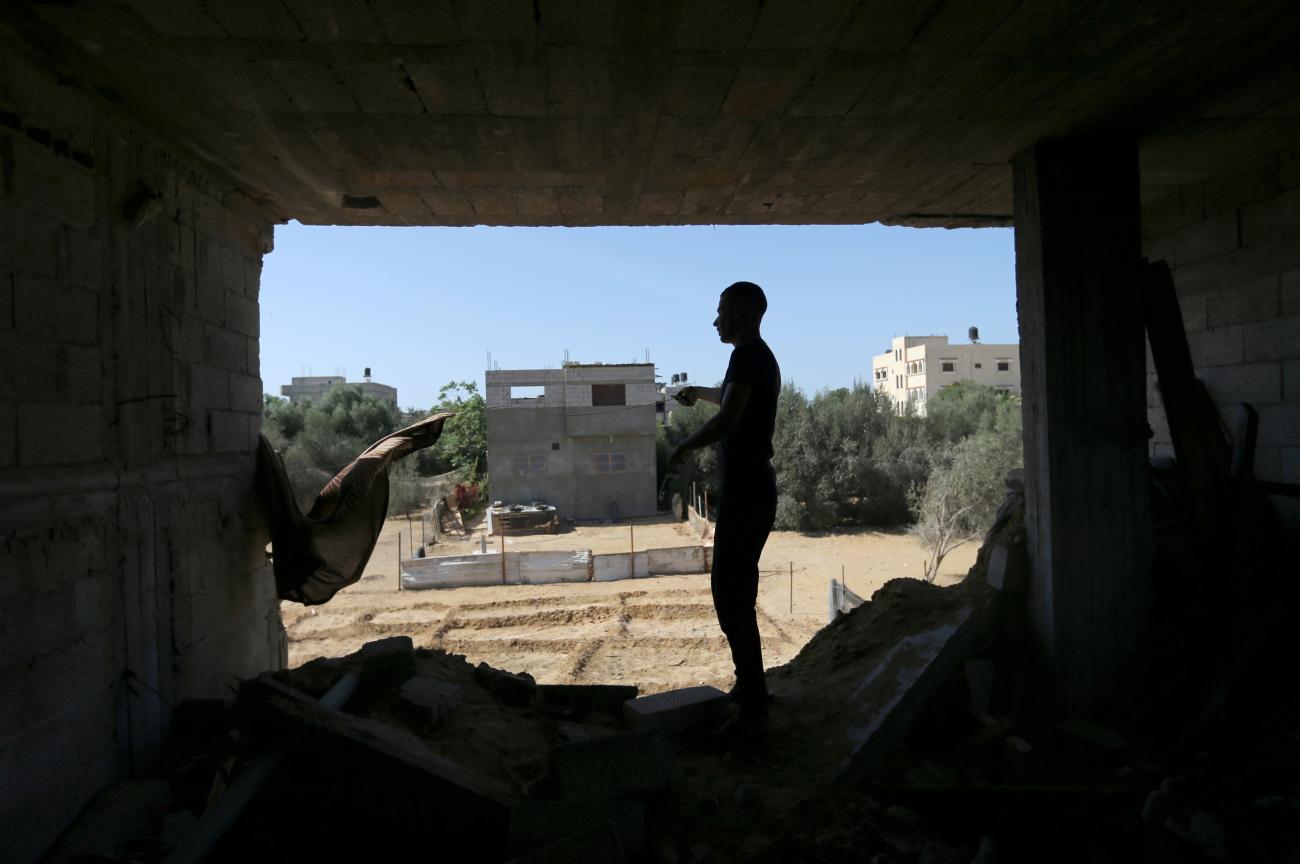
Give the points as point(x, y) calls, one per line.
point(658, 633)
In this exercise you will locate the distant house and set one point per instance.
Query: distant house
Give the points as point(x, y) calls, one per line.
point(311, 387)
point(581, 437)
point(916, 367)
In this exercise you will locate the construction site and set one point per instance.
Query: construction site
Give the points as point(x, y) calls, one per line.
point(184, 676)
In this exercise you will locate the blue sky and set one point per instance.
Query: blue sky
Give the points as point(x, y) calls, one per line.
point(423, 306)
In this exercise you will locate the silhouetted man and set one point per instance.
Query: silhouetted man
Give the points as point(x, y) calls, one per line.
point(743, 428)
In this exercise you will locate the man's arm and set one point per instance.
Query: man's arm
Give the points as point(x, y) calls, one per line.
point(733, 399)
point(688, 395)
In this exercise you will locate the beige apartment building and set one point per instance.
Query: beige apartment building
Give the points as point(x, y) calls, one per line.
point(916, 367)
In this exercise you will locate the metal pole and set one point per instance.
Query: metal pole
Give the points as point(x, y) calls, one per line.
point(631, 550)
point(399, 560)
point(705, 514)
point(503, 556)
point(843, 580)
point(423, 538)
point(791, 587)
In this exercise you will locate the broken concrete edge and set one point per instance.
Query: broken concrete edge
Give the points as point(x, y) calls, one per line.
point(886, 728)
point(581, 698)
point(676, 711)
point(278, 709)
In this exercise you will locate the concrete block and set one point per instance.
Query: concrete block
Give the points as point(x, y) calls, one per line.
point(514, 90)
point(894, 690)
point(431, 698)
point(1291, 380)
point(229, 431)
point(1279, 425)
point(1256, 383)
point(635, 766)
point(1207, 238)
point(1221, 346)
point(596, 845)
point(1270, 219)
point(1276, 339)
point(8, 435)
point(52, 184)
point(580, 698)
point(42, 308)
point(93, 603)
point(1254, 300)
point(443, 203)
point(52, 433)
point(225, 348)
point(508, 688)
point(242, 314)
point(209, 388)
point(245, 393)
point(1290, 290)
point(537, 823)
point(380, 88)
point(677, 710)
point(83, 374)
point(449, 88)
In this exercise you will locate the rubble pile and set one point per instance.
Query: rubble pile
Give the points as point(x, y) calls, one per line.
point(909, 730)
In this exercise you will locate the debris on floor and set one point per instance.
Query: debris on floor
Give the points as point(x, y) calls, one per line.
point(902, 732)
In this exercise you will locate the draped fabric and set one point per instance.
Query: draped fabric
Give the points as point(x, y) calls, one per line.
point(316, 555)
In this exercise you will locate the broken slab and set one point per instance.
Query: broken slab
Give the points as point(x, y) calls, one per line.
point(517, 691)
point(893, 690)
point(1008, 568)
point(537, 823)
point(430, 697)
point(635, 766)
point(309, 726)
point(581, 698)
point(598, 845)
point(677, 710)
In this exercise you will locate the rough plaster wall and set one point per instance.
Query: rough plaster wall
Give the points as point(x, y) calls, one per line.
point(131, 567)
point(1233, 243)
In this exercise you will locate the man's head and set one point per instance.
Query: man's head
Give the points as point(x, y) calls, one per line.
point(740, 311)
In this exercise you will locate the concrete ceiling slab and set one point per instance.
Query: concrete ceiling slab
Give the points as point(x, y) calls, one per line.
point(561, 112)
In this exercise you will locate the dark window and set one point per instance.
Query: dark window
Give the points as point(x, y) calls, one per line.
point(609, 463)
point(947, 366)
point(979, 365)
point(555, 445)
point(608, 394)
point(1004, 365)
point(533, 463)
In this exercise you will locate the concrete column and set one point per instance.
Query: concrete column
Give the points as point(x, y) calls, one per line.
point(1082, 355)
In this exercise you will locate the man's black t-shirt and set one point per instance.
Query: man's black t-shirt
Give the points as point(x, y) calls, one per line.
point(746, 452)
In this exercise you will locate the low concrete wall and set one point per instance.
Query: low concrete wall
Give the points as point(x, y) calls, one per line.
point(541, 568)
point(679, 559)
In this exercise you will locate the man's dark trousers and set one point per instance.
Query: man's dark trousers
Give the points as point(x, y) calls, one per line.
point(745, 514)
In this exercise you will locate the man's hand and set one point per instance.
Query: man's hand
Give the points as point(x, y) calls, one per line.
point(686, 396)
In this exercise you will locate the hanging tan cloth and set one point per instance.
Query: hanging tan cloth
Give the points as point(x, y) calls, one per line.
point(316, 555)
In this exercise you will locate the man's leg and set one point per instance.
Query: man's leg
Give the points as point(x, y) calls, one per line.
point(742, 532)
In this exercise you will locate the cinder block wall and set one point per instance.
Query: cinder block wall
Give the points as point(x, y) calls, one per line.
point(132, 572)
point(1233, 242)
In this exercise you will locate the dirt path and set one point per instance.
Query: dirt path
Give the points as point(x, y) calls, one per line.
point(658, 633)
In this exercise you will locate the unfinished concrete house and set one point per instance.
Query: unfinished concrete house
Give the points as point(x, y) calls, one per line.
point(148, 149)
point(581, 437)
